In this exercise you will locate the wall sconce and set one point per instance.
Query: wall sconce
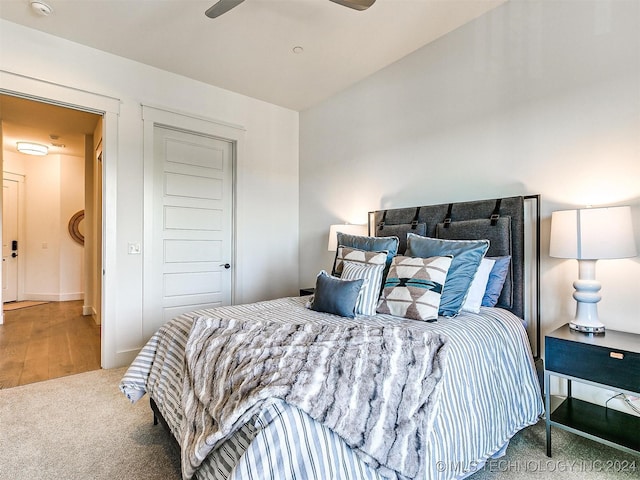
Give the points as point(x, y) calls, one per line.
point(32, 148)
point(588, 235)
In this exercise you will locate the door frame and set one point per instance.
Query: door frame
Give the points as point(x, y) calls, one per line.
point(19, 179)
point(109, 108)
point(153, 116)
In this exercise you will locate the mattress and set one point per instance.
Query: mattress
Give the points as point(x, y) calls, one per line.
point(489, 391)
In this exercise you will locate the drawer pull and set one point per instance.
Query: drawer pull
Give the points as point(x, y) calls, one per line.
point(616, 355)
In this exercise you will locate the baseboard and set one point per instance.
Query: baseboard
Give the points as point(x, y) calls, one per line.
point(88, 310)
point(122, 358)
point(53, 297)
point(68, 297)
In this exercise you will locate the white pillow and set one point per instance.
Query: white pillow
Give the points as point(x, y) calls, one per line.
point(478, 286)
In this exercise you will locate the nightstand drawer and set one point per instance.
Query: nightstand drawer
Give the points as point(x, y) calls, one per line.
point(598, 363)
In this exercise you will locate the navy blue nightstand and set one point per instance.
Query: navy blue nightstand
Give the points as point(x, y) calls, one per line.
point(612, 361)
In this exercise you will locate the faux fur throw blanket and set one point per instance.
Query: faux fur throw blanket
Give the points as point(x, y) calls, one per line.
point(376, 387)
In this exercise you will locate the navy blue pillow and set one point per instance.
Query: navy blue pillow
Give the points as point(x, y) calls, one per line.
point(496, 280)
point(336, 296)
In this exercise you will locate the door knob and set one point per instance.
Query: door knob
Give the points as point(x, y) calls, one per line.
point(14, 255)
point(225, 265)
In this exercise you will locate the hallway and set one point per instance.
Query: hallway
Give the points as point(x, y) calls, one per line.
point(47, 341)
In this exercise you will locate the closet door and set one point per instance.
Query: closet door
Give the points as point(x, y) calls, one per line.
point(190, 257)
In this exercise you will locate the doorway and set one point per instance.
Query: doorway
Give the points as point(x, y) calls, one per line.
point(42, 259)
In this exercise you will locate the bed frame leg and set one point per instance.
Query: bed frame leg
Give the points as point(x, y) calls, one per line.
point(154, 407)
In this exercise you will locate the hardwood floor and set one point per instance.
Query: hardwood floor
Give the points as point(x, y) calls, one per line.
point(47, 341)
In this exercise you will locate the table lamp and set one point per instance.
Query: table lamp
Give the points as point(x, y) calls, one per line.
point(588, 235)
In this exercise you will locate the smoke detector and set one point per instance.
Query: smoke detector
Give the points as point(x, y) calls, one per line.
point(41, 8)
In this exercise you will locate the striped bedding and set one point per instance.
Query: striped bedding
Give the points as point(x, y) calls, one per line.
point(489, 391)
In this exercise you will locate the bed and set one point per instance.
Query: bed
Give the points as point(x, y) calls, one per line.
point(288, 388)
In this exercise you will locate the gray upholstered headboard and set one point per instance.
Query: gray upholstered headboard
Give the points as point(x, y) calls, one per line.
point(512, 227)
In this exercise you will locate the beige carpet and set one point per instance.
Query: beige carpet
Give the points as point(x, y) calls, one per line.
point(573, 458)
point(81, 427)
point(7, 307)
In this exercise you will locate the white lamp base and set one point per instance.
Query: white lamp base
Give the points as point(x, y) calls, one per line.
point(584, 328)
point(587, 298)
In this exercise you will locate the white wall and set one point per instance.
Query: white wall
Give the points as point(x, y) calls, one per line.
point(71, 261)
point(532, 98)
point(267, 171)
point(53, 192)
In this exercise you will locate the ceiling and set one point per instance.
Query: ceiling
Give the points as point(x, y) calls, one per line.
point(31, 121)
point(249, 50)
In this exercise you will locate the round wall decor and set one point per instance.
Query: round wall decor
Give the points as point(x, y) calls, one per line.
point(75, 227)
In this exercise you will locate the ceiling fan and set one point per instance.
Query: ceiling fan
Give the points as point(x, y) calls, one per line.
point(223, 6)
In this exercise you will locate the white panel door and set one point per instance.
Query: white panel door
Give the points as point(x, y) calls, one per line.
point(9, 241)
point(192, 224)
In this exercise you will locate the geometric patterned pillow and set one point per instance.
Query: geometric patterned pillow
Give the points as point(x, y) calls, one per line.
point(467, 255)
point(358, 256)
point(371, 244)
point(370, 291)
point(413, 287)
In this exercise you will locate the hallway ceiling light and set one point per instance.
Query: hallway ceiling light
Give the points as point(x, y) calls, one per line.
point(32, 148)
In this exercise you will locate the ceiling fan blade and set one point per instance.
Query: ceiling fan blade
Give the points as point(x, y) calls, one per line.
point(355, 4)
point(221, 6)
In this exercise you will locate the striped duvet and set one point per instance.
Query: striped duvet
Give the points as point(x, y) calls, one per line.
point(489, 391)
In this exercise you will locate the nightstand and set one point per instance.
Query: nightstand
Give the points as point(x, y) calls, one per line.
point(610, 361)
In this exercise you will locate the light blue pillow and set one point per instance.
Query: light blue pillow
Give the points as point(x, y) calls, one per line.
point(333, 295)
point(496, 280)
point(467, 255)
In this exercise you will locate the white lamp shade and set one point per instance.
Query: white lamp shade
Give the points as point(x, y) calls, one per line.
point(592, 233)
point(345, 228)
